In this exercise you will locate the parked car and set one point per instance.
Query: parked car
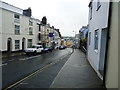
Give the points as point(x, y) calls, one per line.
point(34, 49)
point(62, 47)
point(56, 47)
point(47, 49)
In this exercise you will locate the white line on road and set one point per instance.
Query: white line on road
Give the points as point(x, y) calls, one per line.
point(23, 83)
point(3, 64)
point(11, 60)
point(23, 59)
point(38, 70)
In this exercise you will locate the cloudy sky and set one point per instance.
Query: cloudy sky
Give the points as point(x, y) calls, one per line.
point(66, 15)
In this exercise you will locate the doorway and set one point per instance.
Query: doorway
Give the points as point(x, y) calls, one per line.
point(23, 44)
point(9, 44)
point(102, 51)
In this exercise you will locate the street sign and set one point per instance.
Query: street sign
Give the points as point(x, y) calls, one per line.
point(51, 35)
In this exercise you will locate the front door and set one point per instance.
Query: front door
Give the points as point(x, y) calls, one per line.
point(23, 44)
point(102, 51)
point(9, 44)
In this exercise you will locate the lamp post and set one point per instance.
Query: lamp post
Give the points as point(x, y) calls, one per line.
point(75, 32)
point(76, 40)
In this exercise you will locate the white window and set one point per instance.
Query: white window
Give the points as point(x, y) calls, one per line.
point(90, 11)
point(16, 18)
point(29, 43)
point(30, 23)
point(98, 5)
point(89, 38)
point(17, 29)
point(30, 31)
point(96, 40)
point(17, 44)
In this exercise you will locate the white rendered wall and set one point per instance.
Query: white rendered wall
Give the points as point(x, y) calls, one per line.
point(99, 21)
point(8, 30)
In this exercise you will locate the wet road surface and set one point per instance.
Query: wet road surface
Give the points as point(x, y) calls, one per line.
point(43, 79)
point(15, 69)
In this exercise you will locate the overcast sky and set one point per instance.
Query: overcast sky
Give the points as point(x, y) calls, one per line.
point(66, 15)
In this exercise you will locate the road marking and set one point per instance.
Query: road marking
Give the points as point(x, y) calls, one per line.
point(23, 83)
point(38, 70)
point(3, 64)
point(23, 59)
point(11, 60)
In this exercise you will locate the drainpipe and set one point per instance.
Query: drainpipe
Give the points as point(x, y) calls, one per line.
point(107, 43)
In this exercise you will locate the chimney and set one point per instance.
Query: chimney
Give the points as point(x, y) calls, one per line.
point(27, 12)
point(44, 20)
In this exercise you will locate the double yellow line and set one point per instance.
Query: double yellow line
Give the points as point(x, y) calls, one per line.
point(39, 70)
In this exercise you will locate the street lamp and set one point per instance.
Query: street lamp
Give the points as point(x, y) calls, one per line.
point(75, 32)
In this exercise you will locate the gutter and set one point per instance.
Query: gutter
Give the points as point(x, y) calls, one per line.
point(107, 43)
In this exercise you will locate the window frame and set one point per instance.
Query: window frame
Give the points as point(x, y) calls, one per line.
point(30, 23)
point(98, 5)
point(30, 30)
point(96, 39)
point(29, 44)
point(17, 44)
point(90, 11)
point(16, 18)
point(17, 30)
point(89, 41)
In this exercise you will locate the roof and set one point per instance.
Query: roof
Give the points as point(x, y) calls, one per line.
point(90, 3)
point(9, 7)
point(84, 28)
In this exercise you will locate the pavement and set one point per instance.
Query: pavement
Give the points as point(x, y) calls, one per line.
point(12, 54)
point(77, 73)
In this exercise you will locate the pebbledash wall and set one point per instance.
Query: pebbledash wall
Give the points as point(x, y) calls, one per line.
point(7, 32)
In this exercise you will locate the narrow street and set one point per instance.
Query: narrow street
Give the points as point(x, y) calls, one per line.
point(59, 44)
point(65, 68)
point(15, 69)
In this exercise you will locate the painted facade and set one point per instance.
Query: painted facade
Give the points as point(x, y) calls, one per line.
point(111, 76)
point(83, 32)
point(98, 23)
point(19, 31)
point(103, 41)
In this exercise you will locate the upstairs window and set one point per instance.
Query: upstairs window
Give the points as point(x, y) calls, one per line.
point(98, 5)
point(90, 11)
point(30, 31)
point(30, 23)
point(17, 29)
point(89, 38)
point(96, 39)
point(16, 18)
